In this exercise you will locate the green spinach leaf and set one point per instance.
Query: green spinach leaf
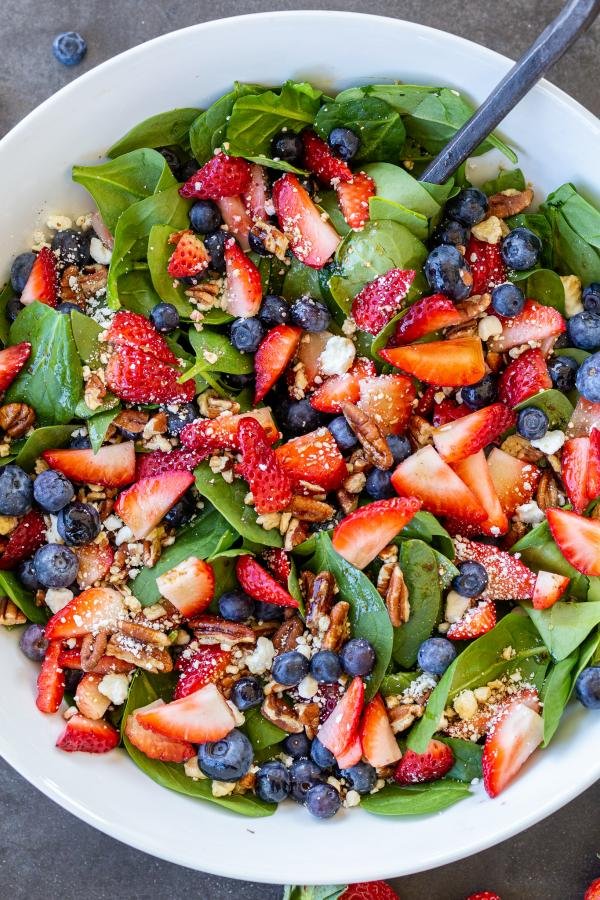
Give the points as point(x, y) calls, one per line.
point(396, 184)
point(397, 683)
point(45, 438)
point(260, 731)
point(11, 587)
point(99, 424)
point(301, 280)
point(575, 225)
point(415, 800)
point(420, 569)
point(159, 252)
point(5, 295)
point(545, 285)
point(378, 125)
point(506, 179)
point(565, 625)
point(162, 130)
point(467, 759)
point(313, 892)
point(417, 223)
point(554, 403)
point(207, 131)
point(215, 353)
point(136, 291)
point(425, 527)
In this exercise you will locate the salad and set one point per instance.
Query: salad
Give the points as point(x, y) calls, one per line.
point(301, 456)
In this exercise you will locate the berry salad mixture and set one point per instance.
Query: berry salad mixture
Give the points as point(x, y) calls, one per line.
point(301, 456)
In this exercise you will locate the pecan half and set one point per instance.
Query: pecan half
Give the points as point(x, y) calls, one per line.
point(308, 714)
point(132, 420)
point(277, 711)
point(144, 656)
point(420, 432)
point(144, 633)
point(396, 598)
point(520, 448)
point(296, 533)
point(320, 600)
point(152, 547)
point(509, 203)
point(337, 633)
point(286, 636)
point(307, 580)
point(215, 630)
point(546, 494)
point(401, 717)
point(10, 614)
point(273, 240)
point(308, 510)
point(16, 419)
point(370, 436)
point(474, 306)
point(93, 648)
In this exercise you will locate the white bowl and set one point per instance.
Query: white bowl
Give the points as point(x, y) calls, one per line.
point(557, 141)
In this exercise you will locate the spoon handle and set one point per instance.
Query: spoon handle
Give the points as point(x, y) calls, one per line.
point(575, 18)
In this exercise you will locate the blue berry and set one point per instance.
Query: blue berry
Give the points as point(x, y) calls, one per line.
point(67, 308)
point(584, 331)
point(184, 414)
point(521, 249)
point(507, 299)
point(72, 679)
point(188, 168)
point(480, 394)
point(299, 417)
point(33, 643)
point(80, 441)
point(205, 216)
point(447, 271)
point(304, 774)
point(287, 146)
point(247, 693)
point(16, 491)
point(69, 48)
point(357, 657)
point(587, 687)
point(361, 778)
point(588, 378)
point(236, 606)
point(290, 668)
point(215, 247)
point(435, 655)
point(399, 447)
point(13, 308)
point(72, 247)
point(591, 297)
point(310, 314)
point(532, 423)
point(325, 667)
point(52, 490)
point(344, 142)
point(471, 581)
point(379, 484)
point(21, 270)
point(343, 434)
point(27, 576)
point(469, 207)
point(273, 782)
point(451, 232)
point(228, 759)
point(78, 523)
point(563, 371)
point(296, 745)
point(274, 310)
point(320, 755)
point(267, 612)
point(257, 240)
point(246, 334)
point(172, 160)
point(164, 317)
point(55, 566)
point(323, 801)
point(181, 512)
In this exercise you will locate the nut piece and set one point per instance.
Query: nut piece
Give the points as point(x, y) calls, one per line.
point(276, 711)
point(93, 648)
point(420, 432)
point(286, 636)
point(370, 436)
point(474, 306)
point(308, 510)
point(338, 630)
point(144, 633)
point(144, 656)
point(16, 419)
point(10, 614)
point(320, 600)
point(92, 280)
point(132, 420)
point(520, 448)
point(509, 203)
point(308, 714)
point(348, 502)
point(401, 717)
point(396, 598)
point(273, 240)
point(546, 494)
point(215, 630)
point(94, 392)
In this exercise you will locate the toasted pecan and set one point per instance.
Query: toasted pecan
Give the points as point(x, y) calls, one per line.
point(370, 435)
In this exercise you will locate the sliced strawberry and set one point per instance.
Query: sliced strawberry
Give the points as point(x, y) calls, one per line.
point(475, 473)
point(484, 895)
point(426, 315)
point(154, 745)
point(549, 587)
point(514, 481)
point(267, 479)
point(28, 536)
point(235, 216)
point(369, 890)
point(200, 717)
point(453, 363)
point(476, 621)
point(273, 356)
point(12, 360)
point(112, 466)
point(319, 160)
point(340, 389)
point(523, 377)
point(585, 417)
point(278, 563)
point(257, 195)
point(593, 891)
point(470, 434)
point(313, 240)
point(189, 257)
point(88, 736)
point(534, 324)
point(486, 264)
point(389, 400)
point(144, 504)
point(516, 733)
point(309, 353)
point(593, 486)
point(508, 577)
point(221, 433)
point(221, 176)
point(314, 458)
point(149, 464)
point(353, 197)
point(415, 768)
point(95, 561)
point(88, 699)
point(42, 282)
point(379, 745)
point(190, 586)
point(205, 666)
point(95, 609)
point(71, 659)
point(578, 539)
point(51, 680)
point(351, 754)
point(338, 731)
point(362, 534)
point(139, 377)
point(244, 287)
point(379, 300)
point(133, 330)
point(448, 411)
point(574, 468)
point(260, 585)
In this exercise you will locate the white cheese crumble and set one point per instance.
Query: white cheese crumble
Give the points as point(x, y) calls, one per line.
point(308, 687)
point(572, 286)
point(115, 687)
point(456, 606)
point(99, 252)
point(488, 327)
point(529, 513)
point(550, 443)
point(338, 356)
point(259, 661)
point(57, 598)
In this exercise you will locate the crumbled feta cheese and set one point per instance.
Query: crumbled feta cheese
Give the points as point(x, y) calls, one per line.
point(308, 687)
point(466, 705)
point(115, 687)
point(352, 799)
point(112, 523)
point(456, 606)
point(52, 535)
point(123, 534)
point(58, 223)
point(572, 286)
point(529, 513)
point(99, 252)
point(56, 598)
point(193, 770)
point(490, 230)
point(489, 327)
point(222, 788)
point(482, 694)
point(338, 356)
point(550, 443)
point(261, 658)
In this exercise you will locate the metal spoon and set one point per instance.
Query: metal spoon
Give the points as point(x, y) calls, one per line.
point(572, 21)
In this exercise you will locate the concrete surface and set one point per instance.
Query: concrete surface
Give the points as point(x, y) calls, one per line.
point(44, 851)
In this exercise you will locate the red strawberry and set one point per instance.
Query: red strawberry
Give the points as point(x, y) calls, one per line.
point(315, 458)
point(476, 621)
point(448, 411)
point(179, 460)
point(484, 895)
point(425, 475)
point(71, 659)
point(144, 504)
point(236, 218)
point(309, 354)
point(244, 287)
point(259, 585)
point(514, 481)
point(426, 401)
point(319, 160)
point(257, 195)
point(153, 745)
point(111, 466)
point(93, 610)
point(95, 561)
point(369, 890)
point(426, 315)
point(379, 745)
point(273, 356)
point(189, 257)
point(189, 586)
point(12, 360)
point(51, 680)
point(221, 433)
point(88, 699)
point(453, 363)
point(574, 468)
point(278, 563)
point(362, 534)
point(201, 716)
point(534, 324)
point(204, 666)
point(380, 299)
point(508, 577)
point(28, 536)
point(269, 482)
point(88, 736)
point(415, 768)
point(351, 754)
point(313, 240)
point(516, 732)
point(578, 539)
point(342, 388)
point(475, 473)
point(133, 330)
point(486, 265)
point(42, 282)
point(338, 731)
point(593, 891)
point(469, 434)
point(353, 197)
point(138, 377)
point(549, 587)
point(593, 488)
point(523, 377)
point(389, 400)
point(221, 176)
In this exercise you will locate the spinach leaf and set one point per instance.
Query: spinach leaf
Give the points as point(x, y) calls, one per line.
point(447, 571)
point(565, 625)
point(417, 223)
point(313, 892)
point(554, 403)
point(46, 438)
point(539, 551)
point(86, 333)
point(467, 759)
point(260, 731)
point(207, 131)
point(556, 692)
point(159, 252)
point(208, 344)
point(377, 124)
point(505, 180)
point(301, 280)
point(426, 527)
point(329, 202)
point(136, 291)
point(420, 569)
point(396, 184)
point(162, 130)
point(575, 227)
point(11, 587)
point(5, 295)
point(415, 800)
point(545, 285)
point(397, 683)
point(98, 425)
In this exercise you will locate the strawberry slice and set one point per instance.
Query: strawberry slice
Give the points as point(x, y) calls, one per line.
point(51, 680)
point(269, 482)
point(516, 733)
point(190, 586)
point(139, 377)
point(470, 434)
point(313, 240)
point(112, 466)
point(95, 561)
point(149, 464)
point(534, 324)
point(426, 315)
point(338, 731)
point(204, 666)
point(585, 417)
point(475, 473)
point(315, 458)
point(593, 487)
point(453, 363)
point(244, 287)
point(221, 433)
point(362, 534)
point(508, 577)
point(221, 176)
point(309, 354)
point(425, 475)
point(235, 216)
point(476, 621)
point(278, 563)
point(273, 356)
point(28, 536)
point(340, 389)
point(144, 504)
point(42, 282)
point(319, 160)
point(578, 539)
point(379, 300)
point(189, 257)
point(12, 360)
point(351, 754)
point(549, 587)
point(257, 196)
point(133, 330)
point(514, 481)
point(389, 400)
point(260, 585)
point(369, 890)
point(95, 609)
point(154, 745)
point(415, 768)
point(88, 736)
point(523, 377)
point(379, 745)
point(593, 891)
point(486, 264)
point(448, 411)
point(353, 197)
point(574, 468)
point(201, 716)
point(88, 699)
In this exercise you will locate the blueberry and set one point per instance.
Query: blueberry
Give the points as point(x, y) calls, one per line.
point(379, 484)
point(172, 160)
point(164, 317)
point(290, 668)
point(588, 378)
point(69, 48)
point(33, 643)
point(399, 447)
point(16, 491)
point(304, 774)
point(80, 441)
point(591, 297)
point(247, 693)
point(236, 606)
point(507, 299)
point(13, 308)
point(267, 612)
point(323, 801)
point(435, 655)
point(451, 232)
point(187, 168)
point(480, 394)
point(78, 523)
point(274, 310)
point(205, 216)
point(296, 745)
point(238, 382)
point(532, 423)
point(310, 314)
point(27, 576)
point(561, 342)
point(361, 778)
point(584, 331)
point(310, 185)
point(21, 270)
point(257, 237)
point(471, 581)
point(288, 147)
point(469, 207)
point(587, 687)
point(563, 371)
point(273, 782)
point(521, 249)
point(67, 308)
point(52, 490)
point(325, 667)
point(448, 272)
point(182, 416)
point(246, 334)
point(215, 247)
point(320, 755)
point(181, 512)
point(55, 566)
point(344, 142)
point(343, 434)
point(357, 657)
point(72, 247)
point(228, 759)
point(72, 679)
point(299, 417)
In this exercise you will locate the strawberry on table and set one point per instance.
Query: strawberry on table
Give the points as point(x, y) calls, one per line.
point(154, 745)
point(204, 666)
point(523, 377)
point(379, 745)
point(221, 176)
point(88, 736)
point(470, 434)
point(534, 325)
point(189, 586)
point(314, 458)
point(133, 330)
point(95, 609)
point(389, 400)
point(28, 536)
point(12, 360)
point(578, 539)
point(476, 621)
point(42, 282)
point(379, 300)
point(144, 504)
point(426, 315)
point(260, 585)
point(319, 159)
point(312, 239)
point(273, 356)
point(269, 482)
point(486, 264)
point(51, 680)
point(244, 287)
point(353, 197)
point(362, 534)
point(138, 377)
point(189, 257)
point(338, 731)
point(549, 587)
point(514, 481)
point(452, 363)
point(201, 716)
point(508, 577)
point(517, 731)
point(416, 768)
point(369, 890)
point(111, 466)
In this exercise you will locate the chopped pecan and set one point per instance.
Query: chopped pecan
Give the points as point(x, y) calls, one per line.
point(274, 241)
point(320, 600)
point(92, 280)
point(69, 288)
point(354, 483)
point(10, 614)
point(94, 391)
point(307, 580)
point(213, 405)
point(402, 717)
point(396, 598)
point(264, 629)
point(144, 656)
point(16, 419)
point(520, 448)
point(358, 462)
point(93, 648)
point(152, 547)
point(155, 425)
point(494, 361)
point(215, 630)
point(277, 711)
point(464, 329)
point(509, 203)
point(132, 420)
point(308, 714)
point(296, 533)
point(420, 432)
point(286, 636)
point(348, 502)
point(474, 306)
point(246, 783)
point(515, 533)
point(144, 633)
point(337, 633)
point(309, 510)
point(546, 494)
point(369, 434)
point(205, 295)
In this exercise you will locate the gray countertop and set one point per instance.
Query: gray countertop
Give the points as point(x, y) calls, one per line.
point(44, 851)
